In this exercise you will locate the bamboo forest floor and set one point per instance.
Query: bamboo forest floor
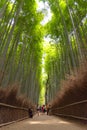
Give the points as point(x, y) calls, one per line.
point(44, 122)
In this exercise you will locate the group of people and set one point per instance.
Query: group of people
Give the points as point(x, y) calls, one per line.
point(43, 109)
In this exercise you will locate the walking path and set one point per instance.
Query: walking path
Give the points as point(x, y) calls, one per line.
point(43, 122)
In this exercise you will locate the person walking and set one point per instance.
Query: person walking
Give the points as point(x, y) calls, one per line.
point(38, 110)
point(48, 109)
point(30, 112)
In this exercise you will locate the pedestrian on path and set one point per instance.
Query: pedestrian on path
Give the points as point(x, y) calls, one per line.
point(38, 110)
point(30, 112)
point(48, 109)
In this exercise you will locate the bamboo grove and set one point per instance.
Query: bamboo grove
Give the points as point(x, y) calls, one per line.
point(21, 44)
point(68, 31)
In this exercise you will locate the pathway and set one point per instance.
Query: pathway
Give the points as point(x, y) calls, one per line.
point(43, 122)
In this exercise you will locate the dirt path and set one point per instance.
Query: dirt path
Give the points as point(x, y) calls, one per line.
point(43, 122)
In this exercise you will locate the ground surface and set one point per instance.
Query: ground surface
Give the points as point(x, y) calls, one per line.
point(43, 122)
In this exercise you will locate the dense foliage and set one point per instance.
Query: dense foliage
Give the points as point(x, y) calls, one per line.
point(67, 30)
point(21, 44)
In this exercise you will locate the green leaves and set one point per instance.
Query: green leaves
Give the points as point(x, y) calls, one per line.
point(22, 47)
point(67, 29)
